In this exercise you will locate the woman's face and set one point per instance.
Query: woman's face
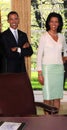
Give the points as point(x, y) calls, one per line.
point(54, 23)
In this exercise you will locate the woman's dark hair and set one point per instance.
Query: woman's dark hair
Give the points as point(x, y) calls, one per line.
point(53, 14)
point(11, 13)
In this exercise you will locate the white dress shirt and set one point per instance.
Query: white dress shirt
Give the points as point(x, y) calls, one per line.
point(13, 31)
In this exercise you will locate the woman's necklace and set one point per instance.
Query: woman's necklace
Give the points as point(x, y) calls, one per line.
point(53, 34)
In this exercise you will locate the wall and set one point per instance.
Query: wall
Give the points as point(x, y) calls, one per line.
point(23, 8)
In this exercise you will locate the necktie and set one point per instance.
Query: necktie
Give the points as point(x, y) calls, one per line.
point(16, 35)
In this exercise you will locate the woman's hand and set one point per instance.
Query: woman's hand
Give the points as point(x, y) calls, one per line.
point(40, 78)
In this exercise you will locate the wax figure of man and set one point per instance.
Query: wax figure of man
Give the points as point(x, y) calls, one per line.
point(15, 49)
point(65, 66)
point(1, 55)
point(65, 74)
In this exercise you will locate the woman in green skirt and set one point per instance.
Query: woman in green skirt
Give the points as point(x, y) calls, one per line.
point(49, 60)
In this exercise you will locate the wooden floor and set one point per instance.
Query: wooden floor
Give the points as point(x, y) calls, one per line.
point(63, 109)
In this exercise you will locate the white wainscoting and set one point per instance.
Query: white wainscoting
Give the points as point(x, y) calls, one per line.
point(39, 97)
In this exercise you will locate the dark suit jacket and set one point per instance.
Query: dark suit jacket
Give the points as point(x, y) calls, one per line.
point(15, 61)
point(1, 55)
point(65, 73)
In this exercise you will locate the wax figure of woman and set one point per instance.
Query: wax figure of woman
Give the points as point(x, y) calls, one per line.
point(49, 60)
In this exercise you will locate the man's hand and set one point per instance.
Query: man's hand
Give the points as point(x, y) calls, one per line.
point(26, 45)
point(14, 49)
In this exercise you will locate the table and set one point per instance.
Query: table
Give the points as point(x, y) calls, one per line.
point(40, 122)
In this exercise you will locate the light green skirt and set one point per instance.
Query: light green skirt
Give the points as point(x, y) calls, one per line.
point(53, 81)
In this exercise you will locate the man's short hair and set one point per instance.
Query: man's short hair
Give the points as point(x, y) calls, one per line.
point(12, 12)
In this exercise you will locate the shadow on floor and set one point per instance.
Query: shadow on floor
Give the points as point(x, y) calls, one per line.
point(63, 109)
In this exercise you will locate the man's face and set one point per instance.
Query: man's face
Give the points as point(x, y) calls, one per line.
point(13, 21)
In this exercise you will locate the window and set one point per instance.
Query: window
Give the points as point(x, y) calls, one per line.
point(39, 12)
point(5, 6)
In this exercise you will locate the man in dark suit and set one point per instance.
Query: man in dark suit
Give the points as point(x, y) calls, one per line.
point(15, 49)
point(1, 55)
point(65, 64)
point(65, 73)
